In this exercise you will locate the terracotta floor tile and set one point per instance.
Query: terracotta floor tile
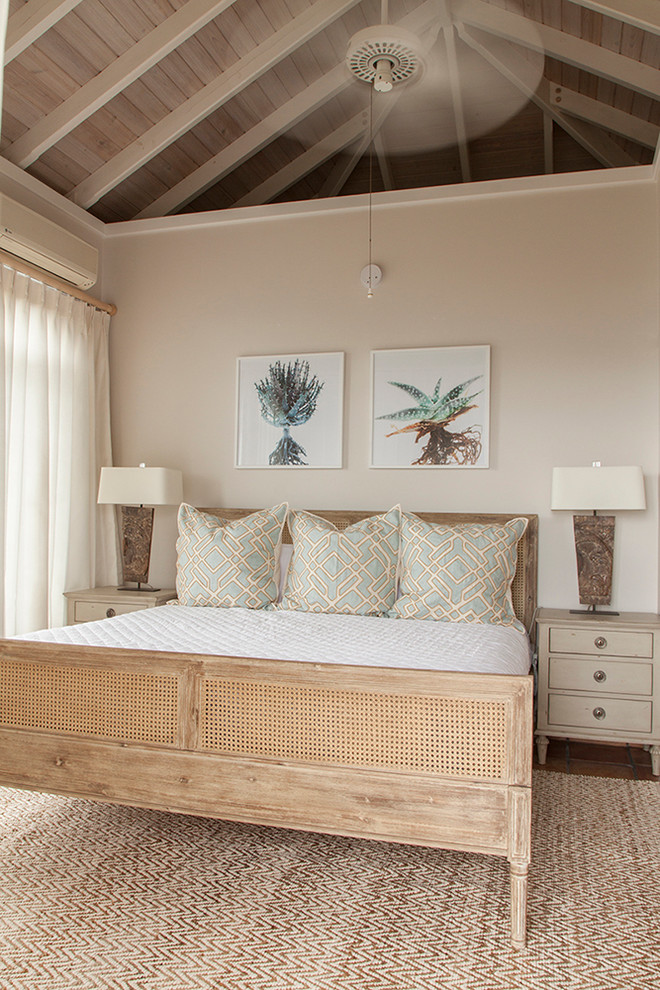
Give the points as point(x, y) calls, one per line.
point(644, 773)
point(557, 747)
point(640, 756)
point(597, 759)
point(599, 753)
point(556, 751)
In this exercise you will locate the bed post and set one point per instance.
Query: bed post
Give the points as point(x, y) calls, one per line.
point(520, 823)
point(519, 873)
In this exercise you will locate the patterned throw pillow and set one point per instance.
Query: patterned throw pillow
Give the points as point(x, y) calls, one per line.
point(352, 570)
point(228, 564)
point(458, 573)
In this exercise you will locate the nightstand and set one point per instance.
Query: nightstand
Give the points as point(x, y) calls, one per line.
point(599, 678)
point(103, 603)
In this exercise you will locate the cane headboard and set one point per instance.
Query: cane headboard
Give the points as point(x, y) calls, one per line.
point(524, 586)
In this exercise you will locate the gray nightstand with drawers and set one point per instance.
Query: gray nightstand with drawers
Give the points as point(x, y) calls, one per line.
point(599, 678)
point(103, 603)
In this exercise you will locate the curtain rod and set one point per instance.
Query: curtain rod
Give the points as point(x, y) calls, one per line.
point(57, 283)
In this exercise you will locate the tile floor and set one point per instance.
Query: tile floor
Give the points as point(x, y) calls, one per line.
point(596, 760)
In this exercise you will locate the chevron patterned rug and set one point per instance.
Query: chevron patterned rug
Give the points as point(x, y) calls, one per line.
point(97, 896)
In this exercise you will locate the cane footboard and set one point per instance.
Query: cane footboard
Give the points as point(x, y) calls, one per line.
point(431, 758)
point(415, 756)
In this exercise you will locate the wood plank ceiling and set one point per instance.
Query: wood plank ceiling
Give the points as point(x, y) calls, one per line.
point(142, 108)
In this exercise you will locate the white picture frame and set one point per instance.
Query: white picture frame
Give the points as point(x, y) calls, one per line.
point(426, 375)
point(313, 439)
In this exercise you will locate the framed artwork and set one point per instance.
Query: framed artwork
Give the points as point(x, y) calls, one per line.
point(430, 407)
point(290, 411)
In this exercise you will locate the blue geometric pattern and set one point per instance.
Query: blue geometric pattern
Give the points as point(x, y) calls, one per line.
point(229, 564)
point(459, 573)
point(351, 571)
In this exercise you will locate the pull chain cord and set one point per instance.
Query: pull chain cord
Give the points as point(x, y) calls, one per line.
point(370, 291)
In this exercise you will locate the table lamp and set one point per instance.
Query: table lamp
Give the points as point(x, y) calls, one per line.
point(596, 488)
point(137, 490)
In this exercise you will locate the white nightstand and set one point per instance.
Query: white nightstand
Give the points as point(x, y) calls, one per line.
point(103, 603)
point(599, 678)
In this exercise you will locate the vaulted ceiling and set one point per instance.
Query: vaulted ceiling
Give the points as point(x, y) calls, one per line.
point(143, 108)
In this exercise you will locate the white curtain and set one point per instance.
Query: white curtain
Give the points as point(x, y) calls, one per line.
point(54, 438)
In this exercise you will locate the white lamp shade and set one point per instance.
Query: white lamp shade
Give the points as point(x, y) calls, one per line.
point(590, 488)
point(140, 486)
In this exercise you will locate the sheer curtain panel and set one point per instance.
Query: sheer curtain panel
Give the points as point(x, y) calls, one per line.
point(55, 436)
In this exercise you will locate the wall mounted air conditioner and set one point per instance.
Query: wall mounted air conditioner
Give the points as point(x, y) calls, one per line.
point(43, 243)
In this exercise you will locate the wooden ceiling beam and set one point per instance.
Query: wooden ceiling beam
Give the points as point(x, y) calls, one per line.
point(643, 14)
point(457, 102)
point(609, 118)
point(286, 177)
point(121, 72)
point(548, 144)
point(383, 161)
point(280, 121)
point(567, 48)
point(341, 173)
point(32, 20)
point(248, 144)
point(513, 66)
point(596, 142)
point(231, 82)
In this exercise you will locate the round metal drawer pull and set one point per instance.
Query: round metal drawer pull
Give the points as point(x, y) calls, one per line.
point(600, 642)
point(600, 676)
point(110, 612)
point(599, 713)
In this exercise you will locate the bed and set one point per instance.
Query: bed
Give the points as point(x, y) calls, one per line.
point(428, 757)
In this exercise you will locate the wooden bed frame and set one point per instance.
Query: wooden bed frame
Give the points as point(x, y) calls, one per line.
point(422, 757)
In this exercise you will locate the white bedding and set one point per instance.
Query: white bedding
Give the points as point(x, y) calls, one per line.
point(320, 638)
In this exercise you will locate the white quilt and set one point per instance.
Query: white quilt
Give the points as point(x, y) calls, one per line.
point(320, 638)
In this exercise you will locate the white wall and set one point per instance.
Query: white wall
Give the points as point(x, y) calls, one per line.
point(563, 284)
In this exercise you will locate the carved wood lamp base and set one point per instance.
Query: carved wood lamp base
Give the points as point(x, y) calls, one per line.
point(136, 532)
point(594, 549)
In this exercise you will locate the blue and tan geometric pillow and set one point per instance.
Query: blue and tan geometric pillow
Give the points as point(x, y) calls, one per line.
point(459, 573)
point(352, 571)
point(229, 564)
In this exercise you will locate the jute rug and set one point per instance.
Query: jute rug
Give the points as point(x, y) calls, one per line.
point(96, 896)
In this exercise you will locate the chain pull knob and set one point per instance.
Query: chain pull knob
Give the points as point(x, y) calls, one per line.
point(600, 676)
point(600, 642)
point(599, 713)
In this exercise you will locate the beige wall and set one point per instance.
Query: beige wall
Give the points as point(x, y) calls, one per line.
point(562, 284)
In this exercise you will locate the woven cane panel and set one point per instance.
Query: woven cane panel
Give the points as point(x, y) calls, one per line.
point(338, 523)
point(454, 737)
point(133, 707)
point(518, 595)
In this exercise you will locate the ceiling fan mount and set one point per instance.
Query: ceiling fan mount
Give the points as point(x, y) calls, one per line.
point(384, 55)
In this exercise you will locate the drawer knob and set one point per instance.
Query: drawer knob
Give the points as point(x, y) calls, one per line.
point(599, 713)
point(600, 642)
point(600, 676)
point(110, 612)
